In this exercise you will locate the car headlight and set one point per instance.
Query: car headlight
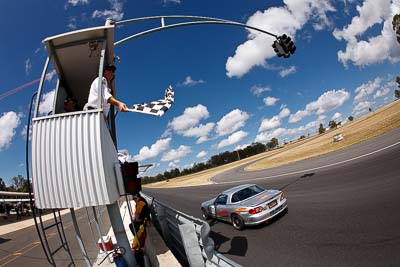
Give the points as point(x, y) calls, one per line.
point(283, 196)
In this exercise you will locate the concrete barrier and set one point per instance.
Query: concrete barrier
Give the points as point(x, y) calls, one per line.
point(156, 250)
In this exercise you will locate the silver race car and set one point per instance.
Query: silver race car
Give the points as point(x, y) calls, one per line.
point(243, 205)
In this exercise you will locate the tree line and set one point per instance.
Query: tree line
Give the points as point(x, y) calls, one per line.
point(18, 184)
point(215, 161)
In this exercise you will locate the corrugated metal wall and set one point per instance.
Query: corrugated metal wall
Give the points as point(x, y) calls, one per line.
point(73, 158)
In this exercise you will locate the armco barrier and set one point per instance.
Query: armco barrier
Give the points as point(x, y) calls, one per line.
point(186, 236)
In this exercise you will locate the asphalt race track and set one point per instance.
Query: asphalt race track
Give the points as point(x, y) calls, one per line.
point(344, 209)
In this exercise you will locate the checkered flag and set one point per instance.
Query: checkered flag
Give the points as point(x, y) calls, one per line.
point(156, 108)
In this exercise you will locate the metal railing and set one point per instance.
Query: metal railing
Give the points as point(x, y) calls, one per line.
point(186, 236)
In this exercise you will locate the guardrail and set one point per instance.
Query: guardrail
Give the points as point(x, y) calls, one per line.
point(186, 236)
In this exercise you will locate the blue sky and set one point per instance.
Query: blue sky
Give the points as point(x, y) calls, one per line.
point(230, 88)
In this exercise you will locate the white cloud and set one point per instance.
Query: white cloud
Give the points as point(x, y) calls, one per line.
point(267, 136)
point(299, 115)
point(46, 105)
point(337, 117)
point(201, 154)
point(156, 149)
point(375, 49)
point(188, 166)
point(284, 113)
point(201, 132)
point(268, 124)
point(361, 108)
point(153, 166)
point(72, 24)
point(190, 82)
point(151, 171)
point(389, 98)
point(28, 66)
point(275, 121)
point(50, 75)
point(285, 72)
point(382, 92)
point(115, 13)
point(166, 2)
point(174, 164)
point(311, 126)
point(258, 90)
point(328, 101)
point(241, 147)
point(23, 132)
point(231, 122)
point(288, 133)
point(190, 118)
point(202, 139)
point(287, 19)
point(9, 121)
point(77, 2)
point(270, 101)
point(175, 154)
point(321, 117)
point(364, 90)
point(232, 139)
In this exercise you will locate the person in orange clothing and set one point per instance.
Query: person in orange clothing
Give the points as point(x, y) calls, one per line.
point(142, 213)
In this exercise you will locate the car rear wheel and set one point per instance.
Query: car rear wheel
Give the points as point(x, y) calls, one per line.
point(204, 213)
point(237, 222)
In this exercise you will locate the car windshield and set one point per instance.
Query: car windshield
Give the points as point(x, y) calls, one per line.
point(246, 193)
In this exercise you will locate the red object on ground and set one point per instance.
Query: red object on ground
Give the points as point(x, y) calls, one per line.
point(107, 242)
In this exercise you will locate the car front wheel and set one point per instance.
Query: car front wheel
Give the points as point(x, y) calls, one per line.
point(237, 222)
point(204, 213)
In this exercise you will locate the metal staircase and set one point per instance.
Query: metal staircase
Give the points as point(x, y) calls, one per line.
point(44, 232)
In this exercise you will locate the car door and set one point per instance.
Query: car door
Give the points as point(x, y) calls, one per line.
point(221, 210)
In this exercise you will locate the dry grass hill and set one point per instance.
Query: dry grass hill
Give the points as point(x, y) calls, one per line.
point(371, 125)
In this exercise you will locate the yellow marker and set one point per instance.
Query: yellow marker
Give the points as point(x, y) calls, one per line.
point(240, 210)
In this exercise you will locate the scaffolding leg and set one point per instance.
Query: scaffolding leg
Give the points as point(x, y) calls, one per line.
point(100, 232)
point(79, 238)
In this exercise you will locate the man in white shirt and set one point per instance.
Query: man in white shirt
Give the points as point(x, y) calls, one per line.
point(108, 76)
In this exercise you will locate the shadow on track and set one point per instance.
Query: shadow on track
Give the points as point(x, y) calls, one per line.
point(4, 240)
point(306, 175)
point(238, 246)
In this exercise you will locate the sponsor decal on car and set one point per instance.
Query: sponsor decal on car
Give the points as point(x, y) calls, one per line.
point(238, 210)
point(222, 212)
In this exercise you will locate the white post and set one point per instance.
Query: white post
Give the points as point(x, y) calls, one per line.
point(120, 234)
